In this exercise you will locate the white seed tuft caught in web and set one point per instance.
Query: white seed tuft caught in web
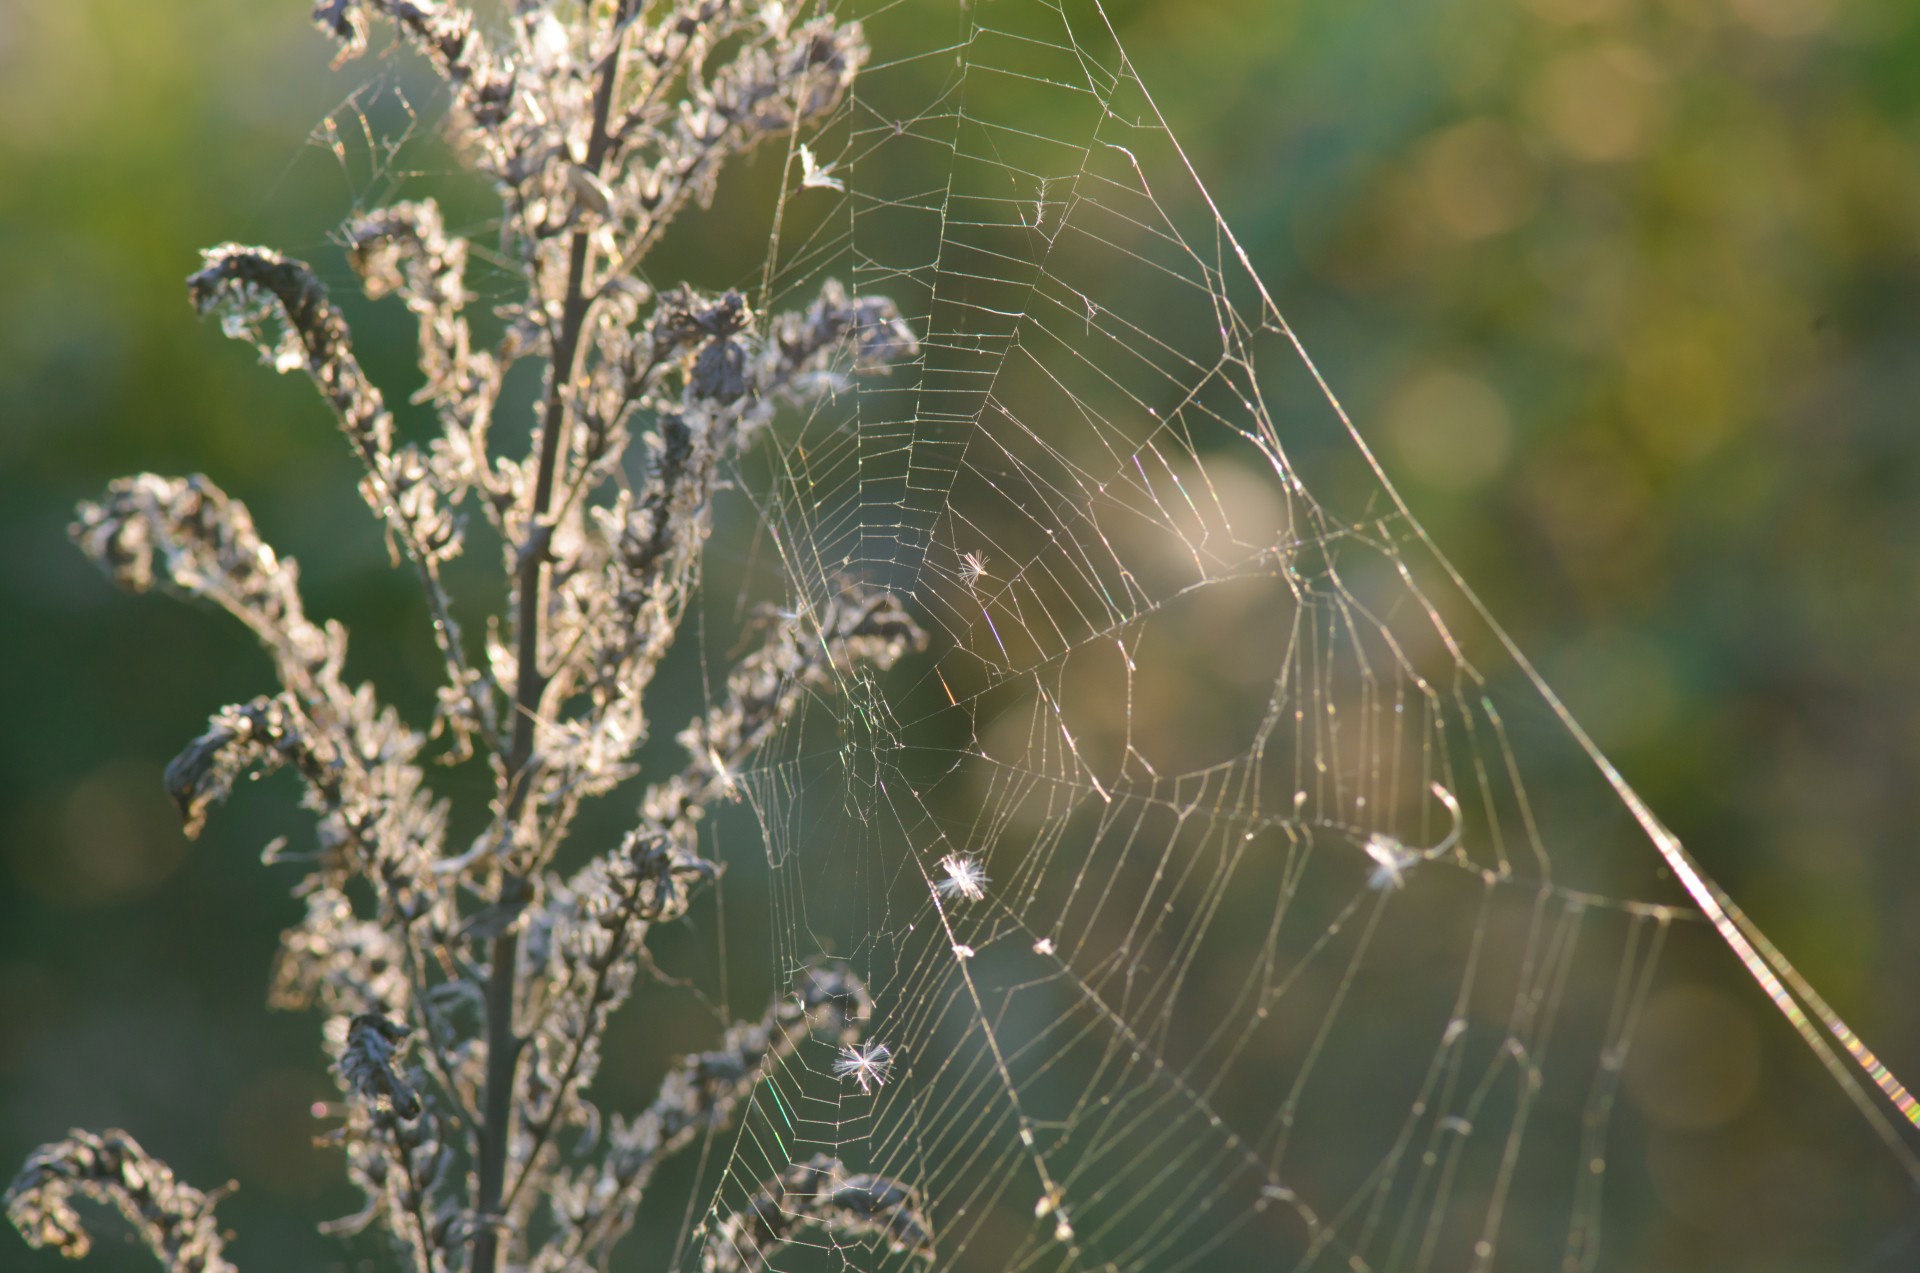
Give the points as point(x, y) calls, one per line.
point(964, 877)
point(868, 1064)
point(812, 174)
point(1392, 860)
point(973, 568)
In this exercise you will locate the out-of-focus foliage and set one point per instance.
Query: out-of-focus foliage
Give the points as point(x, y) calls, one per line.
point(1626, 292)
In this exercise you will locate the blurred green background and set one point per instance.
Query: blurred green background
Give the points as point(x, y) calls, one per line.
point(1625, 292)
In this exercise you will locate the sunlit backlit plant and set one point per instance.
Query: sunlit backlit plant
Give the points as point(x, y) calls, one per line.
point(466, 989)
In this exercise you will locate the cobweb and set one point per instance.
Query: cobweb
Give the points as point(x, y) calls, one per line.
point(1233, 892)
point(1314, 932)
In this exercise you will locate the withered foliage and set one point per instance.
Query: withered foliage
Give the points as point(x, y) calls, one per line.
point(466, 988)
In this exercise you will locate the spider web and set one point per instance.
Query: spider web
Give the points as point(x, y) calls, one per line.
point(1316, 932)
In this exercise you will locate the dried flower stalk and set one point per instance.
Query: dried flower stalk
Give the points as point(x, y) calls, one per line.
point(466, 990)
point(174, 1220)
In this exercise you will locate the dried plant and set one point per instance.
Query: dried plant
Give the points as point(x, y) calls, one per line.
point(466, 990)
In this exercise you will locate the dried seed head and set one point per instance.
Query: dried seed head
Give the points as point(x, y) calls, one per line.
point(175, 1220)
point(367, 1064)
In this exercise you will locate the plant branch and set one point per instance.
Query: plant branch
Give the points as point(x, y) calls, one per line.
point(256, 289)
point(638, 895)
point(173, 1219)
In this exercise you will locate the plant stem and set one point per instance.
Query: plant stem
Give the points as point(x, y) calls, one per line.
point(503, 1044)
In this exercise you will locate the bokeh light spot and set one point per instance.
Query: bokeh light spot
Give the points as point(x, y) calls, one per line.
point(1450, 429)
point(1783, 19)
point(1599, 104)
point(1480, 181)
point(1696, 1061)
